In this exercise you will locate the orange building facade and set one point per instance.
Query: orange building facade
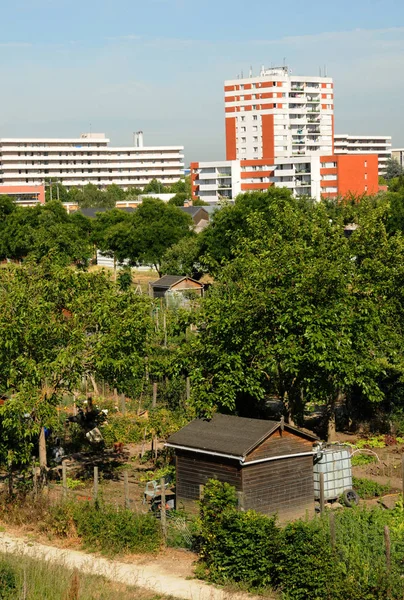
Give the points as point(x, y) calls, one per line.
point(24, 195)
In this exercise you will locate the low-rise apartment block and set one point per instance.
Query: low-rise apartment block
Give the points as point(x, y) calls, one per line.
point(328, 176)
point(398, 155)
point(365, 144)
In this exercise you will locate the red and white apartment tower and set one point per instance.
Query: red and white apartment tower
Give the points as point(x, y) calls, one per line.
point(280, 132)
point(278, 115)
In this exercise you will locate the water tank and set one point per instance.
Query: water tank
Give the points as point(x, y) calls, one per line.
point(335, 463)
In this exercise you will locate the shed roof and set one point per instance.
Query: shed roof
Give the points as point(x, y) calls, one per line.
point(168, 280)
point(227, 435)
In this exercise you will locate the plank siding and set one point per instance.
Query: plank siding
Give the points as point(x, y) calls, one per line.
point(283, 487)
point(194, 470)
point(280, 443)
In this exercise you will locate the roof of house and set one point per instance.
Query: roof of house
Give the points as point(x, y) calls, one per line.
point(192, 210)
point(92, 212)
point(228, 435)
point(169, 280)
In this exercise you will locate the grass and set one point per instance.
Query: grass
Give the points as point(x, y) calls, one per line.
point(38, 580)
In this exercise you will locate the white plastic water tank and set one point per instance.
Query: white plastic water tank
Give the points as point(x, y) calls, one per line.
point(335, 463)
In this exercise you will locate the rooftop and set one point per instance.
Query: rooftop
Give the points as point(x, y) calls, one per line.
point(227, 435)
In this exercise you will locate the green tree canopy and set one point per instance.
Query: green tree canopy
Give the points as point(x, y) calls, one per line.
point(393, 169)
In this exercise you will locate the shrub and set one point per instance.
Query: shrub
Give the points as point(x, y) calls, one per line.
point(236, 546)
point(121, 428)
point(299, 560)
point(367, 488)
point(106, 528)
point(8, 583)
point(305, 564)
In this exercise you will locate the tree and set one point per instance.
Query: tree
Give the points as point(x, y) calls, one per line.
point(41, 231)
point(94, 198)
point(150, 230)
point(228, 225)
point(110, 233)
point(393, 169)
point(296, 313)
point(182, 186)
point(178, 199)
point(7, 206)
point(57, 326)
point(155, 187)
point(183, 258)
point(114, 194)
point(56, 191)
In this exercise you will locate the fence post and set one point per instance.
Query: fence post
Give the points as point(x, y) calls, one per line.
point(95, 483)
point(64, 478)
point(154, 395)
point(388, 547)
point(201, 492)
point(126, 488)
point(165, 330)
point(123, 404)
point(163, 508)
point(155, 446)
point(321, 493)
point(240, 496)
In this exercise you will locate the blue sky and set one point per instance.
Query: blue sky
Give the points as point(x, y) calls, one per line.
point(159, 65)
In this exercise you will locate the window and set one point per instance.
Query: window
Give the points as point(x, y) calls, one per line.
point(366, 163)
point(243, 150)
point(254, 85)
point(255, 128)
point(243, 140)
point(255, 118)
point(243, 129)
point(255, 149)
point(255, 138)
point(242, 86)
point(241, 98)
point(242, 119)
point(330, 165)
point(254, 107)
point(366, 175)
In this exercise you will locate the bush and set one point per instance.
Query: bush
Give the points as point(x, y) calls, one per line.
point(299, 560)
point(367, 488)
point(106, 528)
point(120, 428)
point(305, 564)
point(8, 584)
point(236, 546)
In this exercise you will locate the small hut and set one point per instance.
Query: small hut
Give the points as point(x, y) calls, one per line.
point(175, 285)
point(268, 462)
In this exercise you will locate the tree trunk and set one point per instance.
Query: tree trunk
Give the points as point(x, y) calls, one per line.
point(94, 384)
point(43, 465)
point(42, 449)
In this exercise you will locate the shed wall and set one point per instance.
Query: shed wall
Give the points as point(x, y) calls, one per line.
point(284, 486)
point(281, 443)
point(194, 470)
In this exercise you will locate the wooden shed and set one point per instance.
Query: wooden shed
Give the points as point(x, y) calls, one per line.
point(174, 284)
point(269, 463)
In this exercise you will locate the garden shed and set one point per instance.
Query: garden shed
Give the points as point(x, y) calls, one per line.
point(175, 284)
point(268, 462)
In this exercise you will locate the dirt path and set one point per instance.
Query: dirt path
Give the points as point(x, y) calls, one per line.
point(145, 576)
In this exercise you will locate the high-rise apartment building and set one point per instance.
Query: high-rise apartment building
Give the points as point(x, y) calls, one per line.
point(88, 159)
point(278, 114)
point(365, 144)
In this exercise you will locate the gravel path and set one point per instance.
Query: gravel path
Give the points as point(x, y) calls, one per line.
point(144, 576)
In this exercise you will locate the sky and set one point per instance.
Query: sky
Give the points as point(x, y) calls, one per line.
point(118, 66)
